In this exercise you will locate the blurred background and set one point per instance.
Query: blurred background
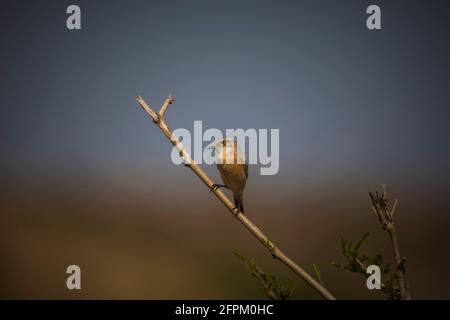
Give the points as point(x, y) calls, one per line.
point(86, 178)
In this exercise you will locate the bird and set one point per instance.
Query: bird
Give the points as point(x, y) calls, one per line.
point(233, 169)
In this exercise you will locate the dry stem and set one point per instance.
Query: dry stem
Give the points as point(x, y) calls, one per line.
point(385, 214)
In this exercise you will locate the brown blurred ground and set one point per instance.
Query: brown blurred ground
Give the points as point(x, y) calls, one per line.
point(135, 243)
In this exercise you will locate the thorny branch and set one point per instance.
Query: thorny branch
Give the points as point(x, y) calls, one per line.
point(382, 208)
point(158, 119)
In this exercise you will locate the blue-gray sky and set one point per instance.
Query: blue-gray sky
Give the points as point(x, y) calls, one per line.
point(350, 103)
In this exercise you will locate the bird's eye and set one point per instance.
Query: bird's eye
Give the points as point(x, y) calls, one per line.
point(223, 142)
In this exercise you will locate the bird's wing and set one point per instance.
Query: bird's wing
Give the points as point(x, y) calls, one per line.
point(246, 170)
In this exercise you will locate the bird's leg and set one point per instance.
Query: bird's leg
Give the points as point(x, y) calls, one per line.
point(216, 186)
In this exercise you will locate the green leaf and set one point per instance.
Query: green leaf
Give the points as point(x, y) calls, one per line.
point(360, 242)
point(318, 273)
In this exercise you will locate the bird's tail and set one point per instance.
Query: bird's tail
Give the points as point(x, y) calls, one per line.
point(239, 201)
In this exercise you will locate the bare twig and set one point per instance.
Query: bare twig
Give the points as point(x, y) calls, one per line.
point(158, 119)
point(385, 214)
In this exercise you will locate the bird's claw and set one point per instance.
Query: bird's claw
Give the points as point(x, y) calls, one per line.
point(236, 211)
point(216, 186)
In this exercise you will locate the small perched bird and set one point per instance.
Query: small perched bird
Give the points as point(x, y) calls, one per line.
point(233, 169)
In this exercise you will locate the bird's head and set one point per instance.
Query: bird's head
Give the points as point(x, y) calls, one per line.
point(228, 148)
point(224, 143)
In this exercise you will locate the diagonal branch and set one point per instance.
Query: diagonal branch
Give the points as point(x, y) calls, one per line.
point(158, 119)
